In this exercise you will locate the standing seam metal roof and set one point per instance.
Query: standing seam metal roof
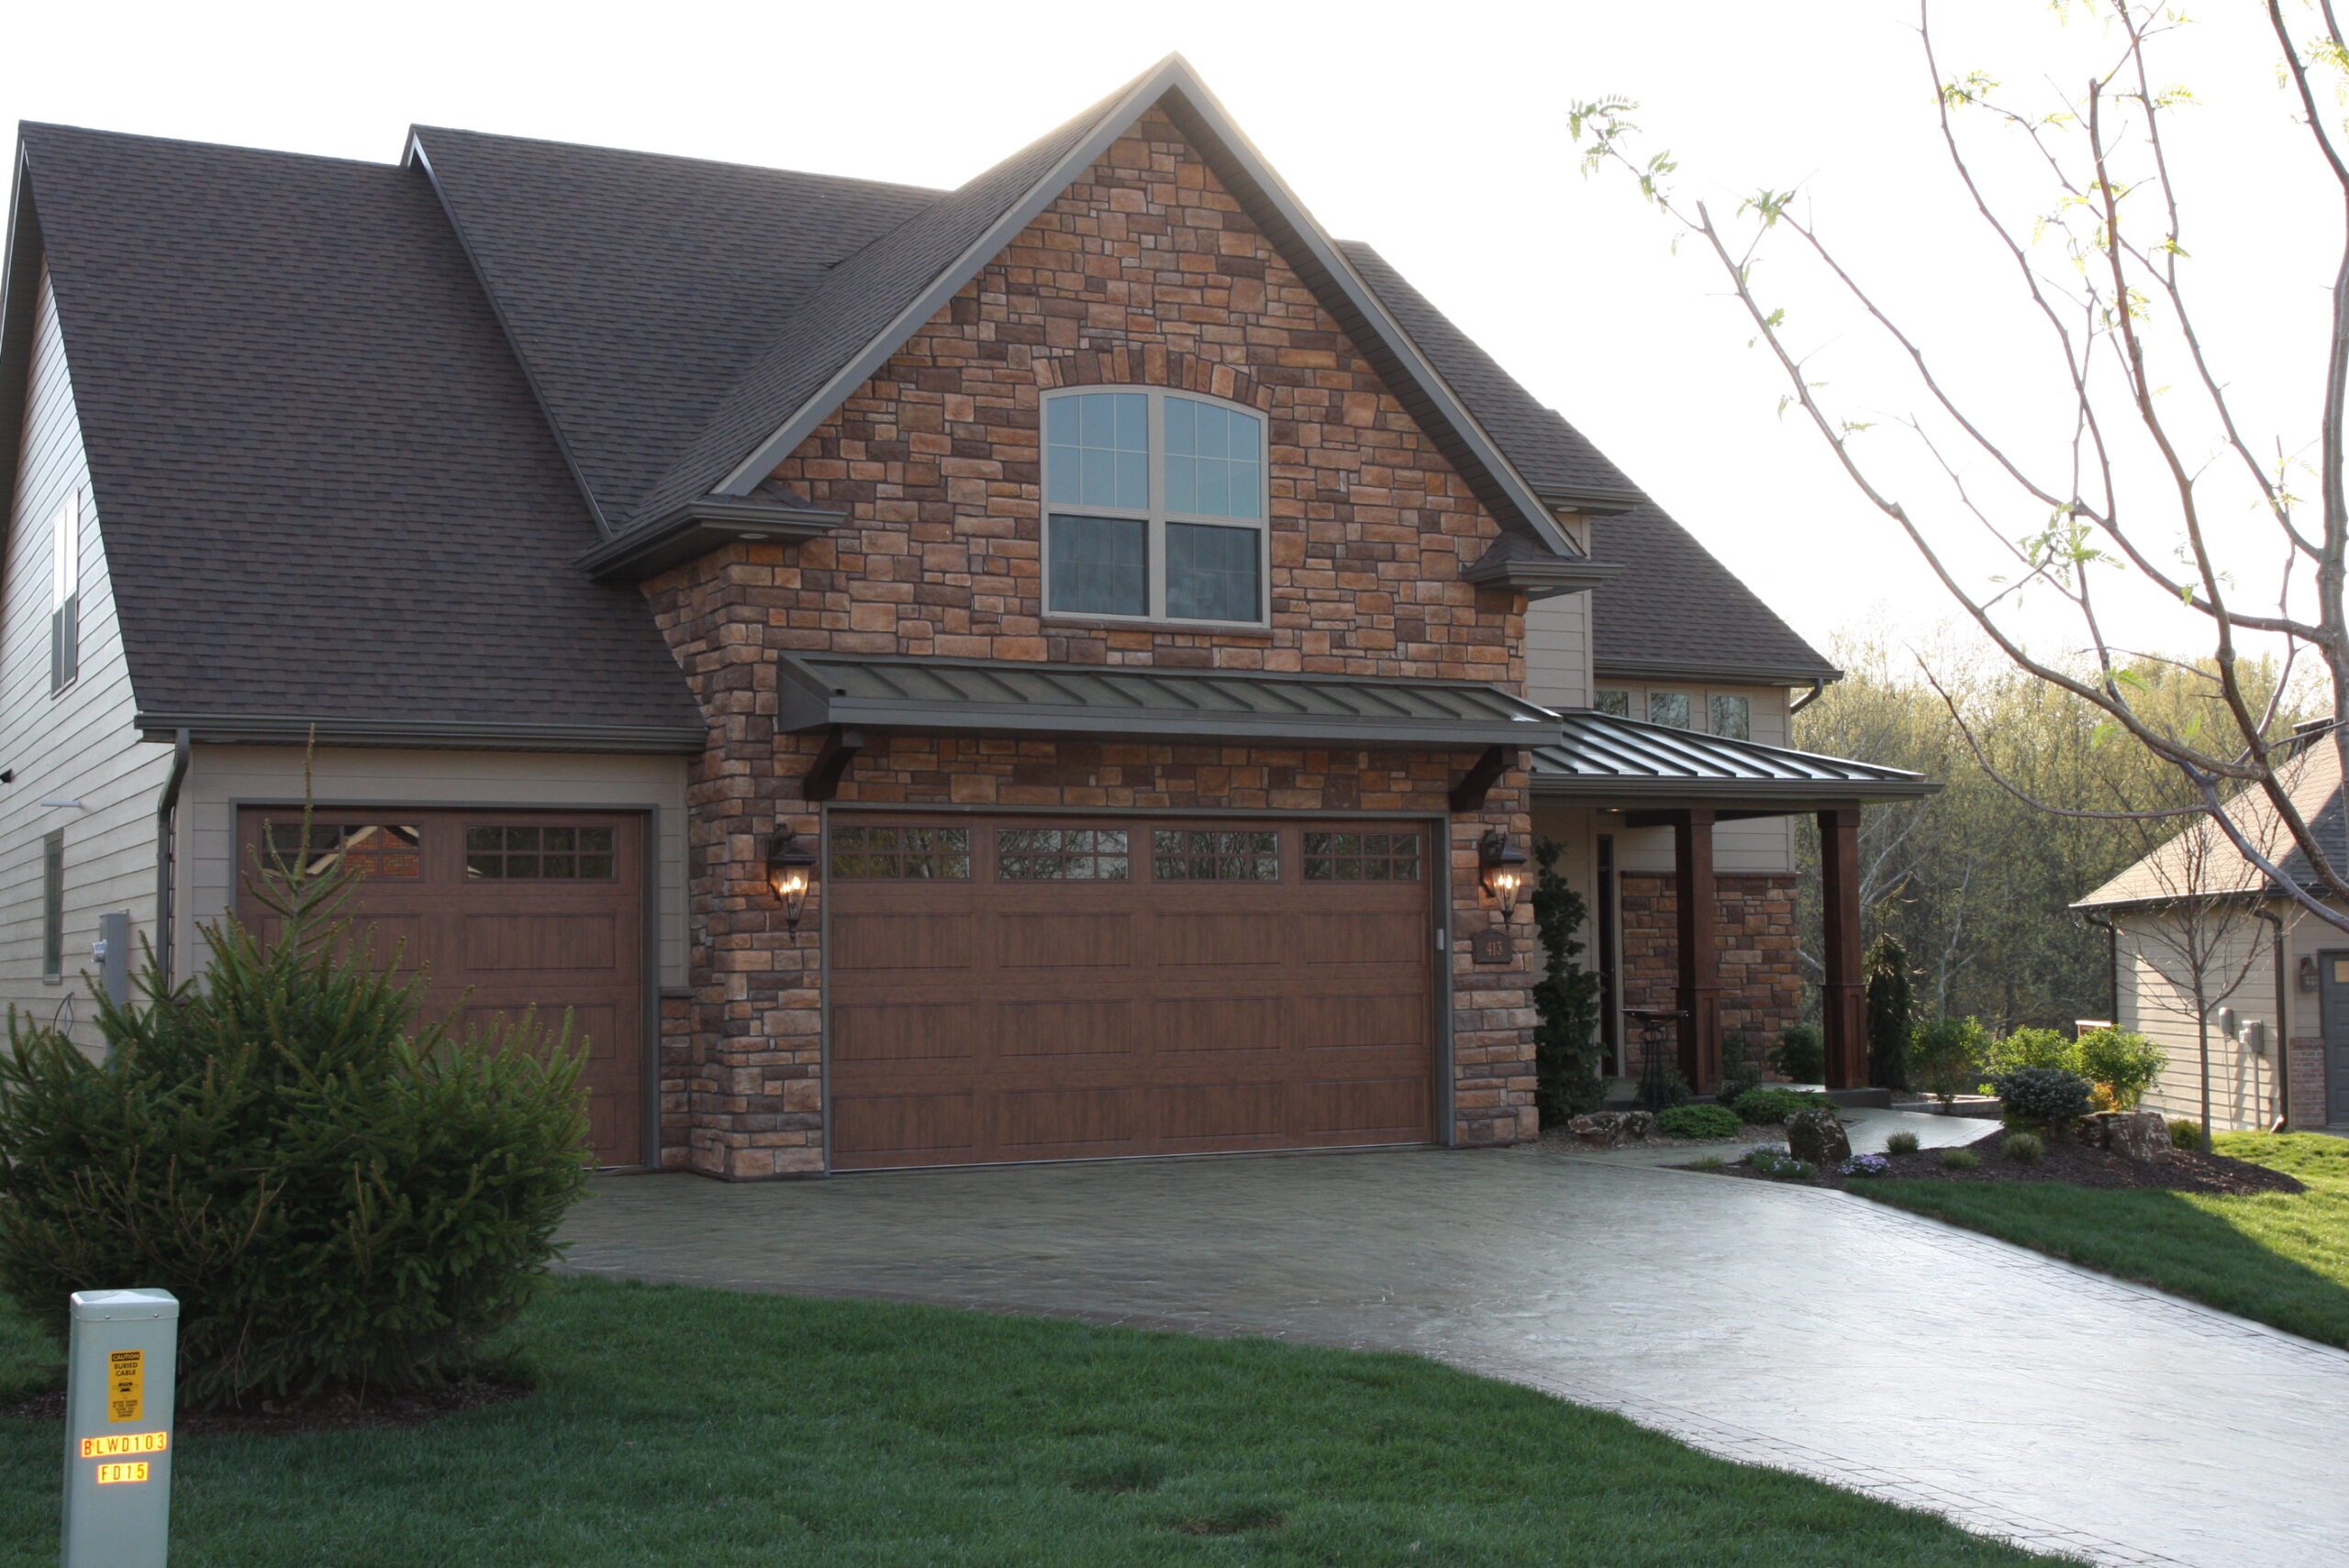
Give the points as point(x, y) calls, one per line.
point(1595, 752)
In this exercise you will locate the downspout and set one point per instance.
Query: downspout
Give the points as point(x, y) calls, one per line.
point(2112, 964)
point(1818, 687)
point(165, 810)
point(2283, 1027)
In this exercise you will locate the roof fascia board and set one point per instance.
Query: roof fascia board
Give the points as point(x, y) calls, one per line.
point(1678, 669)
point(700, 526)
point(879, 713)
point(19, 297)
point(1173, 75)
point(420, 158)
point(1592, 503)
point(290, 729)
point(747, 474)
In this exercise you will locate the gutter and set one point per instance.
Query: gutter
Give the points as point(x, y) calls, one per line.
point(166, 809)
point(1818, 690)
point(294, 729)
point(2112, 962)
point(2283, 1026)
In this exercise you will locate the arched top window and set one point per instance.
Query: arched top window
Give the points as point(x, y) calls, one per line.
point(1154, 506)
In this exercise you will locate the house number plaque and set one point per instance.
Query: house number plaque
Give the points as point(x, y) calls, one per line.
point(1492, 945)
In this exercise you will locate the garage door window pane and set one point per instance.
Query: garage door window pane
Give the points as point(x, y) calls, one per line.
point(879, 853)
point(508, 853)
point(391, 850)
point(1361, 857)
point(1211, 855)
point(1061, 855)
point(1211, 572)
point(1100, 566)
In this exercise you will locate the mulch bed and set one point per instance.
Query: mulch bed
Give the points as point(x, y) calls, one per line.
point(325, 1413)
point(2072, 1165)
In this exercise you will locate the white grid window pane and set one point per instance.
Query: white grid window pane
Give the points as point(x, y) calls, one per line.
point(1214, 461)
point(1099, 565)
point(1100, 449)
point(1211, 572)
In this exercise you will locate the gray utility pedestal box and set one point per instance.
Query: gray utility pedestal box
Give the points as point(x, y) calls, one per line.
point(120, 1374)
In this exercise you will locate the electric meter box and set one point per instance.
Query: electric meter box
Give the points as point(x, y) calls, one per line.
point(122, 1366)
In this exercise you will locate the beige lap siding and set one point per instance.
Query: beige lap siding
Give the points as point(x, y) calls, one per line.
point(1144, 272)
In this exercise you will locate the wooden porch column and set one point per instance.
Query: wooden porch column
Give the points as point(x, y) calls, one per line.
point(1842, 998)
point(1699, 949)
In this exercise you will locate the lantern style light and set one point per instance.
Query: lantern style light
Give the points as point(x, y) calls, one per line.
point(1500, 866)
point(791, 867)
point(2308, 972)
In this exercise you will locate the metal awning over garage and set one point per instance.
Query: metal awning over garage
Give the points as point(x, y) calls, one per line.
point(1597, 756)
point(1152, 703)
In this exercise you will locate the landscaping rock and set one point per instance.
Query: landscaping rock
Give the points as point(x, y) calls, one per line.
point(1816, 1135)
point(2140, 1135)
point(1607, 1130)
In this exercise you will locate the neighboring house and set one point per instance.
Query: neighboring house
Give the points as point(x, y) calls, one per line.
point(1058, 668)
point(2274, 978)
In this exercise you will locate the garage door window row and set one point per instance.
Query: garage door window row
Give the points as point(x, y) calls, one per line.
point(556, 854)
point(1361, 857)
point(359, 848)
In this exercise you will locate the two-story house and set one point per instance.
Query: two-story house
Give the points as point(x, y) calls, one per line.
point(1069, 666)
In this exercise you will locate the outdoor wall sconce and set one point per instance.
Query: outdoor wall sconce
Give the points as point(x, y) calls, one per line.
point(1500, 866)
point(2308, 972)
point(791, 866)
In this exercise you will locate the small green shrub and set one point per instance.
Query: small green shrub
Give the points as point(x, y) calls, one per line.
point(1801, 1055)
point(2185, 1132)
point(1779, 1165)
point(2125, 1064)
point(1698, 1121)
point(2023, 1148)
point(1774, 1103)
point(1707, 1163)
point(337, 1202)
point(1959, 1159)
point(1945, 1057)
point(2030, 1048)
point(1900, 1143)
point(2043, 1097)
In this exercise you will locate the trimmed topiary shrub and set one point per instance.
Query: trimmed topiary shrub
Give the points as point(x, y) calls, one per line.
point(2123, 1064)
point(1801, 1055)
point(2023, 1148)
point(2185, 1132)
point(2043, 1097)
point(1698, 1121)
point(1772, 1104)
point(1900, 1143)
point(1565, 999)
point(1892, 1011)
point(339, 1204)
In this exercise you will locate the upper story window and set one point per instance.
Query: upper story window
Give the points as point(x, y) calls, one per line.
point(1154, 507)
point(65, 592)
point(1613, 699)
point(1669, 708)
point(1732, 716)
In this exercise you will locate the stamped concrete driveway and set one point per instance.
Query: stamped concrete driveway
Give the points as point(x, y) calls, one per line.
point(1805, 1330)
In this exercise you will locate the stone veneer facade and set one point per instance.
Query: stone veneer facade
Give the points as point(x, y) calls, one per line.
point(1762, 989)
point(1145, 272)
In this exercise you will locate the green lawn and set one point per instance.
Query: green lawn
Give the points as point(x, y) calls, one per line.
point(2281, 1258)
point(699, 1427)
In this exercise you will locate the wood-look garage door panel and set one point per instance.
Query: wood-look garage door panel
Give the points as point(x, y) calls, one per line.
point(977, 1016)
point(542, 914)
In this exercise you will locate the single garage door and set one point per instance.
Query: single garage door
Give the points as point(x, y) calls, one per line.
point(505, 911)
point(1035, 989)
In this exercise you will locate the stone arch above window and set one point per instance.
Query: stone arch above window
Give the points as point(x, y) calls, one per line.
point(1153, 367)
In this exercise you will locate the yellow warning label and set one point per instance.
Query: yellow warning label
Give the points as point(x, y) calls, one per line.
point(126, 1385)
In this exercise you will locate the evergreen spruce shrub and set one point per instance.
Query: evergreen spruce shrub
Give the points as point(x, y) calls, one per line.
point(2123, 1063)
point(2050, 1098)
point(1892, 1011)
point(341, 1202)
point(1565, 999)
point(1801, 1054)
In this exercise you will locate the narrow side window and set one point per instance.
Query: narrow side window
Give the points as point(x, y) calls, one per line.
point(52, 905)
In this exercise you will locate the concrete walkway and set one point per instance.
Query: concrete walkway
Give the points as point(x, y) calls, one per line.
point(1801, 1328)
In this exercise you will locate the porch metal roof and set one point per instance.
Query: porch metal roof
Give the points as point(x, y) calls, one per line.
point(1150, 703)
point(1598, 755)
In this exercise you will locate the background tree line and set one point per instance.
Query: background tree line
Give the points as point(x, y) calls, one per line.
point(1973, 882)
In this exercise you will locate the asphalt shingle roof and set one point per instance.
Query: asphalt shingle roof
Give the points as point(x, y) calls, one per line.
point(324, 486)
point(2201, 859)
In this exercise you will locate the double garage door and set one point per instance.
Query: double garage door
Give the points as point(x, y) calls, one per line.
point(1013, 989)
point(506, 912)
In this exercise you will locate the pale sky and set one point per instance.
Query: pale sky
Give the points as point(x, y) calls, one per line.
point(1438, 134)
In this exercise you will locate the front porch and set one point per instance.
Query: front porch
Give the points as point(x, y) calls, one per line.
point(1699, 829)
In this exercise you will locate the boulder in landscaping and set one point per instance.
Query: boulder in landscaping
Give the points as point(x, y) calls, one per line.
point(1818, 1136)
point(2140, 1135)
point(1607, 1130)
